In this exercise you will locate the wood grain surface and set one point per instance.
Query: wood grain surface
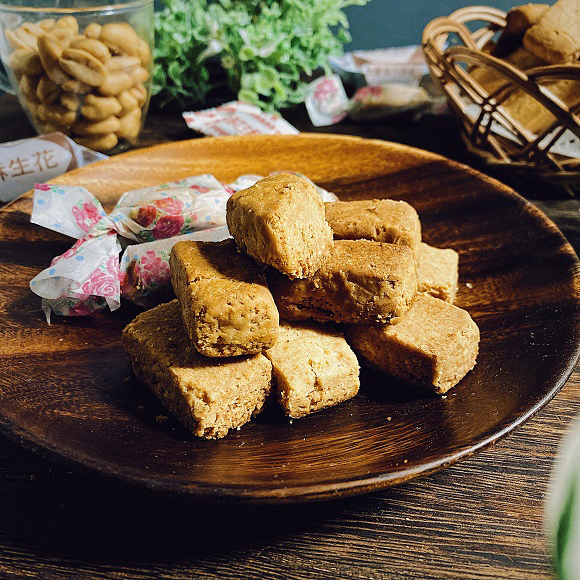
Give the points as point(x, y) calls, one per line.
point(481, 518)
point(518, 281)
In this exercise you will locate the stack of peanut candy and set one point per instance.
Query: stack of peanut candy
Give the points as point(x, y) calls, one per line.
point(537, 35)
point(358, 268)
point(86, 84)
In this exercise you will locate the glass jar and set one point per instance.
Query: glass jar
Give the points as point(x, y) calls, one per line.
point(80, 67)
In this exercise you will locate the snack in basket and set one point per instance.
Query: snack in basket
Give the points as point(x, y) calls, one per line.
point(520, 58)
point(520, 18)
point(313, 368)
point(380, 220)
point(280, 222)
point(225, 303)
point(533, 115)
point(434, 345)
point(536, 35)
point(438, 272)
point(555, 36)
point(360, 282)
point(209, 396)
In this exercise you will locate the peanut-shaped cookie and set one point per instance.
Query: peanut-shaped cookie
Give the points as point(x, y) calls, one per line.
point(95, 47)
point(140, 93)
point(120, 38)
point(143, 52)
point(70, 101)
point(139, 75)
point(87, 128)
point(50, 51)
point(96, 108)
point(130, 125)
point(99, 142)
point(123, 63)
point(75, 86)
point(62, 35)
point(56, 114)
point(47, 90)
point(25, 61)
point(68, 23)
point(83, 66)
point(27, 85)
point(93, 30)
point(115, 83)
point(21, 39)
point(47, 24)
point(127, 101)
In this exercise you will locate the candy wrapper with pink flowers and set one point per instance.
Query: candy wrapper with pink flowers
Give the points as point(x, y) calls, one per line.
point(126, 253)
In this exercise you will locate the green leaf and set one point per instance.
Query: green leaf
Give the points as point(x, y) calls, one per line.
point(248, 96)
point(565, 525)
point(266, 47)
point(247, 53)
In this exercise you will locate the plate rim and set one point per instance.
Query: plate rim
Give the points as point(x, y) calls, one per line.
point(317, 491)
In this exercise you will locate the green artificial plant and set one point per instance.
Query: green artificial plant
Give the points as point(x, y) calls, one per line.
point(263, 49)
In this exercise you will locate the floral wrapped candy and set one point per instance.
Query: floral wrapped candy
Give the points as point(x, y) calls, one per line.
point(92, 275)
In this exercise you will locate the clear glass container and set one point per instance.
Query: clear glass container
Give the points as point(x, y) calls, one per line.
point(80, 67)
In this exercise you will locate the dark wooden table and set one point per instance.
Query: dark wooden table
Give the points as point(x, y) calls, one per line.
point(481, 518)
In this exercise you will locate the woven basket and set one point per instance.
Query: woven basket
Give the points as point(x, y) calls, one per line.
point(490, 130)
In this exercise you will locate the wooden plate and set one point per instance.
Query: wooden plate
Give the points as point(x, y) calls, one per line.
point(67, 389)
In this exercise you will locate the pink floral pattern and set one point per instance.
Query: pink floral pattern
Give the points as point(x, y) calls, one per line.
point(366, 92)
point(75, 212)
point(169, 205)
point(324, 89)
point(86, 216)
point(42, 186)
point(167, 226)
point(80, 308)
point(104, 283)
point(199, 188)
point(113, 267)
point(153, 269)
point(146, 215)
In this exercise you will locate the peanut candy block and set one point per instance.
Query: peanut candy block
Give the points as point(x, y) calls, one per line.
point(313, 368)
point(380, 220)
point(434, 345)
point(360, 282)
point(438, 272)
point(280, 221)
point(209, 396)
point(226, 306)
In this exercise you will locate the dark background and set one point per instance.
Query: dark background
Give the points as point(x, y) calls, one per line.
point(385, 23)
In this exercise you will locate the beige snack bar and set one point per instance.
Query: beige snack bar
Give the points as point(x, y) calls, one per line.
point(381, 220)
point(520, 18)
point(520, 57)
point(434, 345)
point(438, 272)
point(313, 368)
point(279, 221)
point(225, 303)
point(360, 282)
point(555, 37)
point(534, 116)
point(208, 396)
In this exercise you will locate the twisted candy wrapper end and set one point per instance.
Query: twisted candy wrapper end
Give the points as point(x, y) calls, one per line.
point(86, 278)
